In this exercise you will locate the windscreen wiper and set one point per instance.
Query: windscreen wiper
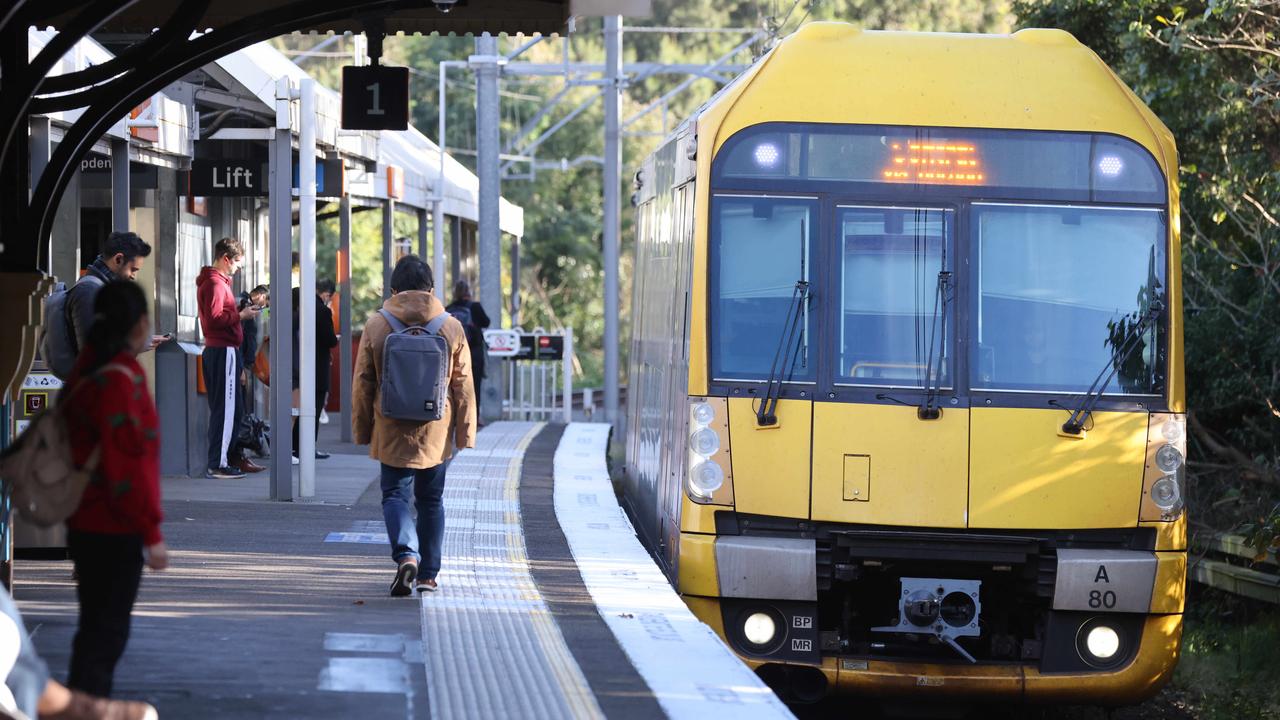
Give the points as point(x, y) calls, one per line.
point(1075, 424)
point(784, 359)
point(929, 410)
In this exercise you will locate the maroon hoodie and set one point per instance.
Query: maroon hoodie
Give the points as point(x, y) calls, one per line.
point(219, 318)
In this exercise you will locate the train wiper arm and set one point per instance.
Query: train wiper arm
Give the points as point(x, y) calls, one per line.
point(1075, 424)
point(928, 409)
point(784, 358)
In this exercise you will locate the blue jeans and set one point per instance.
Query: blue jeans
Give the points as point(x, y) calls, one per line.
point(423, 540)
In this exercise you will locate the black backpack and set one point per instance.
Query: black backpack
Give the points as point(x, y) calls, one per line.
point(475, 339)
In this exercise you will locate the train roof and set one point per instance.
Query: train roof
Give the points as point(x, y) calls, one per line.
point(1033, 79)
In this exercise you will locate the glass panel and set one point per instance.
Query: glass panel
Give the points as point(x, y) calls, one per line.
point(891, 309)
point(1055, 284)
point(760, 249)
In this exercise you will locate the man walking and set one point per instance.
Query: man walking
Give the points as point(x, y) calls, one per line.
point(220, 320)
point(414, 454)
point(474, 320)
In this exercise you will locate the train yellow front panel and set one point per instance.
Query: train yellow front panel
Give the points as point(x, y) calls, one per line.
point(918, 468)
point(1023, 474)
point(771, 465)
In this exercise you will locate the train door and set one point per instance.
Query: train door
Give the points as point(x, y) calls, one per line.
point(890, 434)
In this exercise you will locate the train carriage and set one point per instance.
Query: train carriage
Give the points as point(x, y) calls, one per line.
point(906, 400)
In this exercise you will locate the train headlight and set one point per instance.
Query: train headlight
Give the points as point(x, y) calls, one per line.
point(1163, 495)
point(703, 413)
point(1166, 494)
point(705, 442)
point(759, 628)
point(706, 478)
point(1102, 642)
point(1168, 459)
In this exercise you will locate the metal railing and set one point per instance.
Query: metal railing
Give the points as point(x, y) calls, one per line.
point(540, 389)
point(1223, 567)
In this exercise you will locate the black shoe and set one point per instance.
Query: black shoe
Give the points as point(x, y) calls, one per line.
point(322, 455)
point(403, 584)
point(224, 473)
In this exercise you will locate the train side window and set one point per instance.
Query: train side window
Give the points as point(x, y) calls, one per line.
point(891, 327)
point(760, 249)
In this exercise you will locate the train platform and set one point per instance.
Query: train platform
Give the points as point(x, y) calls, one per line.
point(549, 607)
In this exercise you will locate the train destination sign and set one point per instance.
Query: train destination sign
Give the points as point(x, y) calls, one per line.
point(375, 97)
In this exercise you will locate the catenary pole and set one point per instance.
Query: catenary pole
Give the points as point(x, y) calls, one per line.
point(488, 145)
point(612, 192)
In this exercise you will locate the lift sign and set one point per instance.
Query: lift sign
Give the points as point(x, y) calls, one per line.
point(375, 97)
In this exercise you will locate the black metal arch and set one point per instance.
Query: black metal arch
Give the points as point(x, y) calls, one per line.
point(124, 90)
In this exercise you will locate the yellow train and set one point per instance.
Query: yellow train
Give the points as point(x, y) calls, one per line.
point(906, 398)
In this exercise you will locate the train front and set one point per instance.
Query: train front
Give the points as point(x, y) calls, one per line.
point(935, 426)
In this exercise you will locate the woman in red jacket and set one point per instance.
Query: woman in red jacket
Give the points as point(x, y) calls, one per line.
point(117, 526)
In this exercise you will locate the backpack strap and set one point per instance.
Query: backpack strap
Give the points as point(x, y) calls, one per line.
point(434, 326)
point(393, 321)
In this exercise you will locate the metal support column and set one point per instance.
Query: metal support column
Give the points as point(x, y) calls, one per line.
point(515, 282)
point(388, 240)
point(488, 144)
point(423, 224)
point(119, 185)
point(612, 198)
point(344, 316)
point(437, 244)
point(281, 325)
point(307, 288)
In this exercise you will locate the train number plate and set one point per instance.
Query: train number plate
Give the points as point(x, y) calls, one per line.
point(1104, 580)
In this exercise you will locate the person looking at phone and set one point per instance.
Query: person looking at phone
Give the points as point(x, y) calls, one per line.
point(220, 318)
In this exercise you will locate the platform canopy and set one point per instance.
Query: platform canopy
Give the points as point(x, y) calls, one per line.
point(461, 17)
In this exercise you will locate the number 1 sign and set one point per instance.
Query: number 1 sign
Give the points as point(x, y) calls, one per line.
point(375, 97)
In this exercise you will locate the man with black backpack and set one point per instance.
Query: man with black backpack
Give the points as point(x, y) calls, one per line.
point(412, 403)
point(475, 321)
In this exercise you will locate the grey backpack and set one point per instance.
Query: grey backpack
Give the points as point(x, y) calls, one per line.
point(415, 370)
point(58, 347)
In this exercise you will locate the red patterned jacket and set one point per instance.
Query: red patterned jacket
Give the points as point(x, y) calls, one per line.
point(113, 410)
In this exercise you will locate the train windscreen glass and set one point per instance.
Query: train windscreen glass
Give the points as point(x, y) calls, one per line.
point(760, 249)
point(891, 307)
point(1059, 288)
point(993, 163)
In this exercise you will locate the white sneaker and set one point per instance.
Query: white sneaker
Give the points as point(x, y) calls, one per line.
point(296, 461)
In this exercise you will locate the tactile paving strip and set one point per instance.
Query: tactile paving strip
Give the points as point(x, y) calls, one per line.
point(490, 644)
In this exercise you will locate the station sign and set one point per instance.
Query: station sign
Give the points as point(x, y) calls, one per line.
point(227, 178)
point(37, 393)
point(375, 97)
point(540, 347)
point(95, 174)
point(249, 178)
point(502, 343)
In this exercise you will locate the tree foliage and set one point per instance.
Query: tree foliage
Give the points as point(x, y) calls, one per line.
point(1211, 72)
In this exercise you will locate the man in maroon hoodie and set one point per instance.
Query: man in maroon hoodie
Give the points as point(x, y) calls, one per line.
point(220, 322)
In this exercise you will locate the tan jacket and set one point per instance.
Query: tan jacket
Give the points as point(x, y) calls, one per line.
point(405, 443)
